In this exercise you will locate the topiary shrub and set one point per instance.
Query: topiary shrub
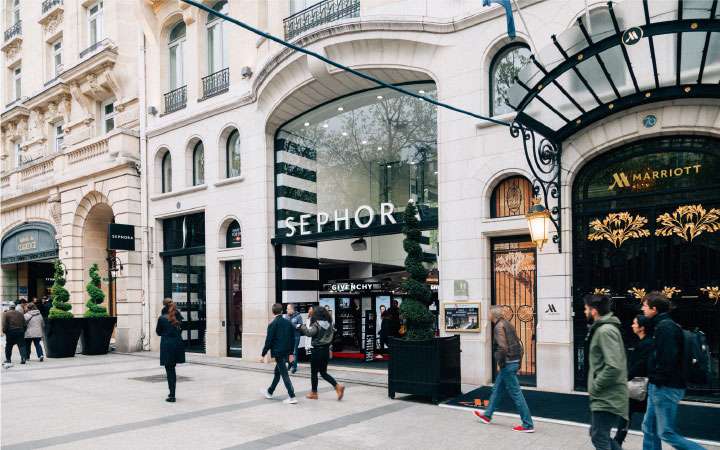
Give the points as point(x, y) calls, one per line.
point(414, 308)
point(60, 296)
point(96, 295)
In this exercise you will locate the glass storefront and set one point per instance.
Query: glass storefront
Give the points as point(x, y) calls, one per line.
point(233, 276)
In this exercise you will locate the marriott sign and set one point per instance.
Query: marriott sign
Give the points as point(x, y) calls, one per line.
point(641, 179)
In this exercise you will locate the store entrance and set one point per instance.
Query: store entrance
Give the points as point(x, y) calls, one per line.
point(40, 279)
point(233, 298)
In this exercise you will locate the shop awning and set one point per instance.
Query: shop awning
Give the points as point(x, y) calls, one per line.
point(32, 241)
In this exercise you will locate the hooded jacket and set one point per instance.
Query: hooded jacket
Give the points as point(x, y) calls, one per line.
point(607, 375)
point(665, 359)
point(35, 323)
point(320, 331)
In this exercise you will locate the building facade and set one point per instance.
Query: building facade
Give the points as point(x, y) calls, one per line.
point(70, 151)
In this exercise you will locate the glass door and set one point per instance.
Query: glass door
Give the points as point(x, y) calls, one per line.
point(233, 290)
point(187, 290)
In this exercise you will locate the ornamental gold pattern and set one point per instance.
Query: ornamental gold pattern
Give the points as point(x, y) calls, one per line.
point(618, 228)
point(601, 291)
point(688, 222)
point(638, 293)
point(713, 292)
point(670, 291)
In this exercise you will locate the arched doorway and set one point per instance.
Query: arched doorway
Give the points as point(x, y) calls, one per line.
point(95, 249)
point(647, 217)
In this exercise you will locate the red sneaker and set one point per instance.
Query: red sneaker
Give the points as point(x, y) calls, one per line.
point(483, 418)
point(522, 429)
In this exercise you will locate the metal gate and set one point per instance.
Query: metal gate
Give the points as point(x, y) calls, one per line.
point(514, 284)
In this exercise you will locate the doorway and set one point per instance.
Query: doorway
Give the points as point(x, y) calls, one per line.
point(514, 287)
point(233, 298)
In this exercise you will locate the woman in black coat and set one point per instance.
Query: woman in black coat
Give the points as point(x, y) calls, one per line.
point(172, 347)
point(637, 367)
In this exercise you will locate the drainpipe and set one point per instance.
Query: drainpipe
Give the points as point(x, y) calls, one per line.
point(144, 203)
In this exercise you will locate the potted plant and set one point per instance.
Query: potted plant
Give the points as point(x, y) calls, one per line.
point(420, 363)
point(98, 325)
point(62, 330)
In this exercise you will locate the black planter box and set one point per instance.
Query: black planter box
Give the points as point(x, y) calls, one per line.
point(96, 335)
point(61, 337)
point(428, 368)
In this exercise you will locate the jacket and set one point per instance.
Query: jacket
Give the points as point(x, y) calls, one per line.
point(35, 324)
point(172, 347)
point(607, 375)
point(638, 367)
point(321, 332)
point(280, 339)
point(13, 320)
point(665, 364)
point(295, 320)
point(506, 345)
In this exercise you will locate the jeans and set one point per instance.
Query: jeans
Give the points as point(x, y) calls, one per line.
point(171, 378)
point(281, 371)
point(38, 347)
point(293, 365)
point(318, 364)
point(601, 423)
point(14, 337)
point(659, 422)
point(507, 378)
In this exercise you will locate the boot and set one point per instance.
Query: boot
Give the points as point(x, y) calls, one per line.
point(312, 396)
point(340, 390)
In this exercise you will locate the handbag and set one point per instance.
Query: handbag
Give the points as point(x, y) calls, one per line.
point(637, 388)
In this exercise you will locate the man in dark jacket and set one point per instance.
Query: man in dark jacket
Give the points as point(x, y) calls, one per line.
point(279, 342)
point(666, 385)
point(296, 320)
point(13, 325)
point(507, 351)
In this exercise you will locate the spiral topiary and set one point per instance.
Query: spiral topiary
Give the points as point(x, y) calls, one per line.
point(414, 308)
point(96, 295)
point(60, 296)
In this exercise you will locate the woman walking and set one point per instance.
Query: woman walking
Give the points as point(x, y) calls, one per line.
point(34, 331)
point(321, 332)
point(172, 347)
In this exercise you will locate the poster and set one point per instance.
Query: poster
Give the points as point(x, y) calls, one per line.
point(382, 303)
point(369, 336)
point(329, 304)
point(462, 317)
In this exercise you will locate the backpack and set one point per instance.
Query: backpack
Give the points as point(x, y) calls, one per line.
point(696, 357)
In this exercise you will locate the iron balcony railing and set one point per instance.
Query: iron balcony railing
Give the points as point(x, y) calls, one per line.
point(216, 83)
point(318, 14)
point(94, 47)
point(176, 99)
point(15, 30)
point(47, 5)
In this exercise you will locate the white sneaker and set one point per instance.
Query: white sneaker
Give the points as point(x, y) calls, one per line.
point(266, 394)
point(290, 401)
point(7, 365)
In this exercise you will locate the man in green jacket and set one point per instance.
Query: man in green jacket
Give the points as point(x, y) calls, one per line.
point(607, 373)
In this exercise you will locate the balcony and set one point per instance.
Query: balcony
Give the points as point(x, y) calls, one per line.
point(216, 83)
point(319, 14)
point(47, 5)
point(176, 99)
point(95, 47)
point(14, 31)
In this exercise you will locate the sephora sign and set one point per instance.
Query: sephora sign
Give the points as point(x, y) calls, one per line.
point(364, 217)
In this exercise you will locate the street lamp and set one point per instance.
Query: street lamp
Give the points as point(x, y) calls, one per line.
point(538, 218)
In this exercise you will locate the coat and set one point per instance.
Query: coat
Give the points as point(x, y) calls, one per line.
point(665, 362)
point(296, 320)
point(638, 367)
point(35, 324)
point(13, 321)
point(607, 375)
point(172, 347)
point(280, 339)
point(321, 332)
point(506, 345)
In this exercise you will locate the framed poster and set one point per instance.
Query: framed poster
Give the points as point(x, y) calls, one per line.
point(462, 317)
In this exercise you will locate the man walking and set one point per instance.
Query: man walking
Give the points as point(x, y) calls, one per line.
point(13, 325)
point(607, 374)
point(296, 320)
point(508, 353)
point(279, 342)
point(666, 386)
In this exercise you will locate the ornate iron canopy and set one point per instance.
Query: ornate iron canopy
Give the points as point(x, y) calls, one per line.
point(633, 53)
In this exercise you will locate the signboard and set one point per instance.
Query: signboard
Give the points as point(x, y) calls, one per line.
point(370, 330)
point(121, 237)
point(234, 235)
point(462, 317)
point(460, 288)
point(352, 287)
point(31, 241)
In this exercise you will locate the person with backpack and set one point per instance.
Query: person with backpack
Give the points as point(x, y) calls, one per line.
point(607, 372)
point(667, 382)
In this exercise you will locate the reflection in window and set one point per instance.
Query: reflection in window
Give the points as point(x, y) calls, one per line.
point(198, 164)
point(233, 155)
point(166, 172)
point(503, 70)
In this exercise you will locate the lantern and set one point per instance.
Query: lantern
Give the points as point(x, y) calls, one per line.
point(538, 218)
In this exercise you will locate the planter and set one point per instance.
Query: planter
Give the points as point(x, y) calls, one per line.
point(96, 335)
point(61, 337)
point(428, 368)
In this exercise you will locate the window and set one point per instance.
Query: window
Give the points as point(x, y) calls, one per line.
point(56, 60)
point(198, 164)
point(217, 40)
point(95, 23)
point(15, 11)
point(59, 136)
point(108, 115)
point(512, 197)
point(166, 169)
point(17, 83)
point(234, 235)
point(233, 154)
point(175, 47)
point(299, 5)
point(504, 68)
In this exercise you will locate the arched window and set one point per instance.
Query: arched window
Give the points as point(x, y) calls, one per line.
point(512, 197)
point(166, 173)
point(217, 42)
point(176, 42)
point(234, 235)
point(198, 164)
point(504, 68)
point(233, 155)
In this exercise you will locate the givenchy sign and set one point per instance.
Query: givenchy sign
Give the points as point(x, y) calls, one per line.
point(640, 180)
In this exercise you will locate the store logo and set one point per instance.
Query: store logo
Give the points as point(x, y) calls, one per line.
point(551, 309)
point(644, 179)
point(26, 243)
point(632, 36)
point(364, 217)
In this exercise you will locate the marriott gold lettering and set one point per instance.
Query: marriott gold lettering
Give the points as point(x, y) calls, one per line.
point(641, 179)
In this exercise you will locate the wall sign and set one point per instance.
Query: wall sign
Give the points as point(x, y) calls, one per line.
point(29, 242)
point(552, 309)
point(462, 317)
point(352, 287)
point(460, 288)
point(632, 36)
point(363, 217)
point(121, 236)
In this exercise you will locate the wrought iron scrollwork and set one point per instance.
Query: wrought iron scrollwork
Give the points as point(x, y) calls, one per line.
point(544, 158)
